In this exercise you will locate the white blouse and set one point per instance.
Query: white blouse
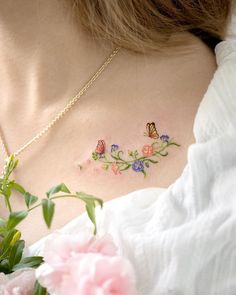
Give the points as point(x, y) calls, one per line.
point(182, 240)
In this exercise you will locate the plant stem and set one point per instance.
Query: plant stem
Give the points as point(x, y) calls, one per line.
point(52, 198)
point(8, 204)
point(140, 158)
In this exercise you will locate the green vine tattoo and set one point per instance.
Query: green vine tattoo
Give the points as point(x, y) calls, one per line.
point(137, 161)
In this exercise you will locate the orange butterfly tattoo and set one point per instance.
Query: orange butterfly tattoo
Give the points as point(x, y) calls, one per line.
point(151, 131)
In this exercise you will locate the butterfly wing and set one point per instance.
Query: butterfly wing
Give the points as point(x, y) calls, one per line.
point(101, 146)
point(152, 131)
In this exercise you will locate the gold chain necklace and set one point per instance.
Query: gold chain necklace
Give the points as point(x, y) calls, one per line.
point(60, 114)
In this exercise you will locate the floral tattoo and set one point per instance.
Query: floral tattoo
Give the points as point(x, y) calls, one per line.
point(138, 162)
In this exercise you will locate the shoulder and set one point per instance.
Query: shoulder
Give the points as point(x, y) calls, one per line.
point(184, 71)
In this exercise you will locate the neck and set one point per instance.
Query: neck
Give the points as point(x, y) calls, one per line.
point(45, 56)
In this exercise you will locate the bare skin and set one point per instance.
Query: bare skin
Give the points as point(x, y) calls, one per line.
point(44, 60)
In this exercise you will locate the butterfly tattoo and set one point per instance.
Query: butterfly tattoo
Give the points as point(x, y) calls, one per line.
point(101, 147)
point(151, 131)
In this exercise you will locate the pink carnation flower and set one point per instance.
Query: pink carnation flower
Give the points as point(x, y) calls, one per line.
point(21, 282)
point(84, 264)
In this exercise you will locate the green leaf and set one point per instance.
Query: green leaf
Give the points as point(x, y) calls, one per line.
point(30, 199)
point(10, 166)
point(38, 289)
point(7, 191)
point(15, 238)
point(16, 253)
point(4, 266)
point(86, 197)
point(48, 211)
point(105, 166)
point(5, 243)
point(90, 202)
point(130, 153)
point(144, 173)
point(91, 213)
point(2, 226)
point(17, 187)
point(15, 218)
point(2, 222)
point(15, 164)
point(94, 156)
point(58, 188)
point(32, 262)
point(136, 153)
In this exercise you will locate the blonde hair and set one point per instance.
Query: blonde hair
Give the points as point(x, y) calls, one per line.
point(147, 24)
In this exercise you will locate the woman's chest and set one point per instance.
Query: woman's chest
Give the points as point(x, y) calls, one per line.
point(100, 147)
point(106, 156)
